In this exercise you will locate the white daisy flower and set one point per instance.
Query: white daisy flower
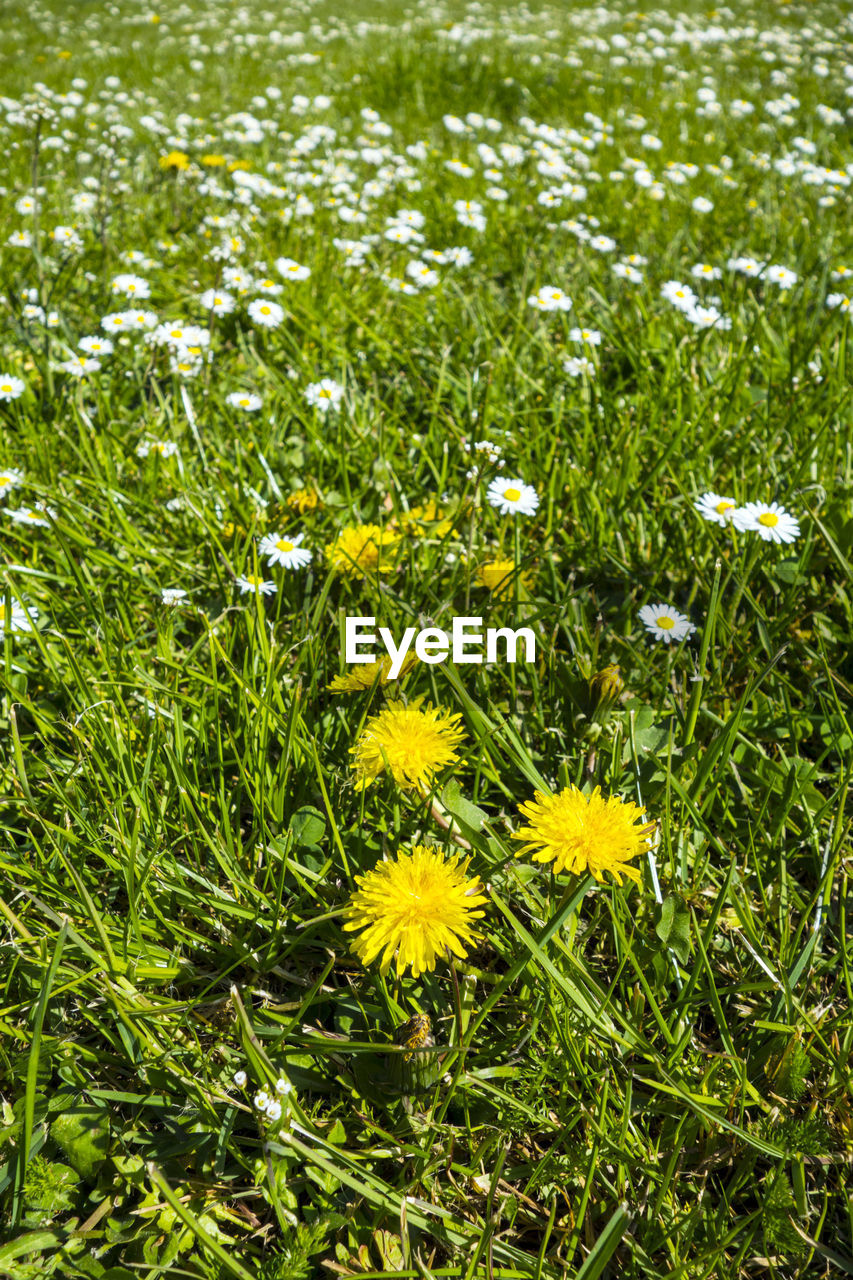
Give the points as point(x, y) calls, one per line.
point(219, 301)
point(422, 274)
point(165, 448)
point(716, 508)
point(665, 623)
point(398, 285)
point(33, 515)
point(240, 1079)
point(266, 313)
point(783, 277)
point(325, 394)
point(288, 552)
point(173, 596)
point(130, 285)
point(245, 400)
point(18, 619)
point(11, 387)
point(79, 366)
point(550, 298)
point(97, 347)
point(624, 271)
point(680, 295)
point(590, 337)
point(576, 366)
point(291, 270)
point(704, 271)
point(9, 477)
point(262, 1100)
point(273, 1110)
point(513, 497)
point(254, 582)
point(772, 523)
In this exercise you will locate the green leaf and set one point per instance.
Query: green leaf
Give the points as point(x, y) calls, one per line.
point(83, 1133)
point(606, 1245)
point(460, 808)
point(32, 1242)
point(308, 826)
point(673, 926)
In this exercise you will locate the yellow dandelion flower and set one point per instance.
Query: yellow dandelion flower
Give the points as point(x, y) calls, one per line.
point(212, 161)
point(418, 908)
point(302, 500)
point(581, 833)
point(413, 743)
point(362, 549)
point(607, 684)
point(364, 675)
point(428, 513)
point(499, 577)
point(175, 160)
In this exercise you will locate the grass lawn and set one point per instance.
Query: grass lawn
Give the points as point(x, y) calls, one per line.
point(413, 314)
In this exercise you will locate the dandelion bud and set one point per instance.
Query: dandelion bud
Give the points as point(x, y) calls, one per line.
point(605, 687)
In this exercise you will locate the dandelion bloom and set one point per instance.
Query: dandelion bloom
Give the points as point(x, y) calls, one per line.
point(358, 549)
point(174, 160)
point(425, 514)
point(499, 576)
point(581, 833)
point(418, 908)
point(303, 500)
point(411, 742)
point(364, 675)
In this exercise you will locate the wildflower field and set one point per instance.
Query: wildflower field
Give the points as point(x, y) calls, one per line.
point(426, 500)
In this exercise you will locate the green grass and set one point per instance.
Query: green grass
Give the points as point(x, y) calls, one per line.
point(644, 1081)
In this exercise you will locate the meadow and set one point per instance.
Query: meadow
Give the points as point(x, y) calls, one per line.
point(417, 312)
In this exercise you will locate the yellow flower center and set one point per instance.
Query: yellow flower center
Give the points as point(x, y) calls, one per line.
point(768, 519)
point(512, 495)
point(284, 545)
point(722, 507)
point(4, 480)
point(7, 386)
point(265, 311)
point(666, 622)
point(254, 579)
